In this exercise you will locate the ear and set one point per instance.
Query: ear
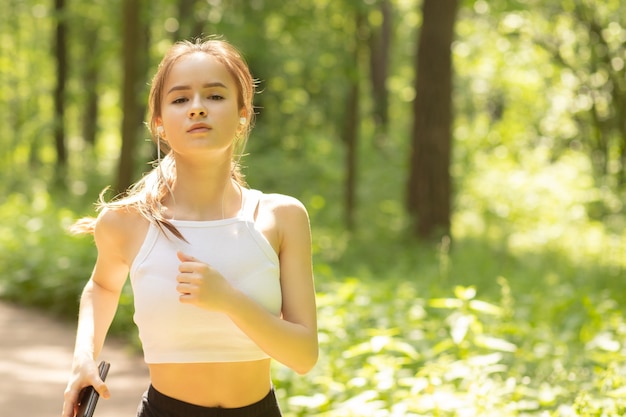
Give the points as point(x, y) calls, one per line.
point(158, 124)
point(243, 117)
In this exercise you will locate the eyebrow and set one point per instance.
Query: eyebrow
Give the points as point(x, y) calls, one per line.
point(206, 85)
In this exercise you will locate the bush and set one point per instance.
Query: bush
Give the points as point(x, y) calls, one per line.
point(469, 329)
point(43, 264)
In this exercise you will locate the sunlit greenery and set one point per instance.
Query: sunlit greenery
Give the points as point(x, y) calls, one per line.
point(519, 313)
point(517, 322)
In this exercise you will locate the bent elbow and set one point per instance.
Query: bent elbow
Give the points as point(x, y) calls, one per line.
point(304, 371)
point(305, 366)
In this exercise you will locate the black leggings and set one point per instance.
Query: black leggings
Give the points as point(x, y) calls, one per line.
point(155, 404)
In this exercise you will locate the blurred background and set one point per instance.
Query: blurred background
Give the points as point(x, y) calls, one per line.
point(463, 163)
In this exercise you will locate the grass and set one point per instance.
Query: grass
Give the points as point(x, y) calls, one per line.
point(491, 324)
point(535, 334)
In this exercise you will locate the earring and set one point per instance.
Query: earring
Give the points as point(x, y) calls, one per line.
point(160, 131)
point(159, 150)
point(242, 121)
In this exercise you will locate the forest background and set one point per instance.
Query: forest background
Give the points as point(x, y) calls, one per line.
point(464, 165)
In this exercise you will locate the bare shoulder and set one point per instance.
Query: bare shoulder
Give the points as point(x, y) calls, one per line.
point(288, 213)
point(116, 222)
point(282, 218)
point(282, 204)
point(120, 231)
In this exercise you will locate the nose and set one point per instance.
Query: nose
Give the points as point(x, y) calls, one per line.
point(197, 108)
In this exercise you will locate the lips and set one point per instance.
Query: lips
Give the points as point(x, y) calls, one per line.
point(199, 128)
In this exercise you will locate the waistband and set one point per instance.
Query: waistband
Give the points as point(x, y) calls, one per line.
point(268, 406)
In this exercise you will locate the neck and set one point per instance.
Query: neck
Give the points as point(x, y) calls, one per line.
point(204, 192)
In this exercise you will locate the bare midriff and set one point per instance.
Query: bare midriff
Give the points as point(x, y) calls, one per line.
point(215, 384)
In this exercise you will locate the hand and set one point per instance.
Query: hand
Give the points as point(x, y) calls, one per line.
point(201, 285)
point(83, 375)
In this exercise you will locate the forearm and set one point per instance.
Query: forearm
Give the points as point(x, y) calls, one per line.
point(292, 344)
point(97, 309)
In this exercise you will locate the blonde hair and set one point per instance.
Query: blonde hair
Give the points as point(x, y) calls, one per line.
point(146, 195)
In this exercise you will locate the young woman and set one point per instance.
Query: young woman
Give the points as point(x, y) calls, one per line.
point(221, 274)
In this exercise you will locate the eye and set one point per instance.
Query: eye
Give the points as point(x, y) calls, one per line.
point(179, 100)
point(216, 97)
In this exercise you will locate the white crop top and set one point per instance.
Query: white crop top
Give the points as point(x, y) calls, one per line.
point(173, 332)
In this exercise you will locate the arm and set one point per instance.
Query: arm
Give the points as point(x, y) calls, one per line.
point(292, 338)
point(98, 304)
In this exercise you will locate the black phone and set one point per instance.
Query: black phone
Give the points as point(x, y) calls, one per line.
point(88, 397)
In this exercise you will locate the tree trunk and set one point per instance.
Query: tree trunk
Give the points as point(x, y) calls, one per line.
point(351, 133)
point(351, 128)
point(380, 41)
point(135, 51)
point(186, 20)
point(91, 75)
point(90, 117)
point(429, 183)
point(60, 52)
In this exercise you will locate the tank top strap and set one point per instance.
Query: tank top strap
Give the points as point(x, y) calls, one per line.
point(251, 202)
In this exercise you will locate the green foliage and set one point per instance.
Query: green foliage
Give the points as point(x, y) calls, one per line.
point(390, 349)
point(42, 264)
point(472, 328)
point(513, 322)
point(39, 267)
point(520, 313)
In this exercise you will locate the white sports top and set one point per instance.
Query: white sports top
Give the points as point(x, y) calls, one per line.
point(173, 332)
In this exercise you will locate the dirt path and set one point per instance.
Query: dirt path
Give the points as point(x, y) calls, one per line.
point(35, 359)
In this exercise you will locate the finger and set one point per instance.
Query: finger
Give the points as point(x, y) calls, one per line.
point(185, 298)
point(70, 403)
point(184, 288)
point(103, 390)
point(188, 263)
point(187, 277)
point(183, 257)
point(68, 409)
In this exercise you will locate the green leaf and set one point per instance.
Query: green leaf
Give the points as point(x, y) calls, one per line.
point(464, 293)
point(485, 307)
point(495, 343)
point(459, 326)
point(445, 303)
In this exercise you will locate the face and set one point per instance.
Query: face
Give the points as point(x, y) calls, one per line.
point(199, 108)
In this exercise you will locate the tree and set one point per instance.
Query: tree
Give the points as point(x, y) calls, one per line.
point(60, 53)
point(90, 78)
point(135, 57)
point(351, 125)
point(379, 45)
point(599, 34)
point(429, 182)
point(190, 22)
